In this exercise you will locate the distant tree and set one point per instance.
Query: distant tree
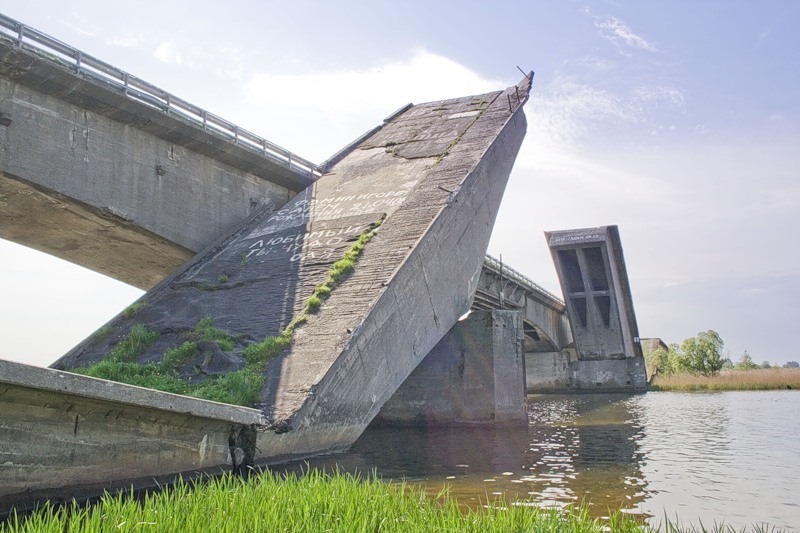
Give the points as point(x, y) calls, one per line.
point(745, 362)
point(791, 364)
point(665, 361)
point(703, 354)
point(727, 364)
point(660, 363)
point(766, 364)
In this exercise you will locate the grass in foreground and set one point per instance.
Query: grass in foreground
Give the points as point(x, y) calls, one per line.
point(313, 502)
point(756, 379)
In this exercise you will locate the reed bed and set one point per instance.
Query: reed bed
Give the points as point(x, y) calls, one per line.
point(755, 379)
point(314, 502)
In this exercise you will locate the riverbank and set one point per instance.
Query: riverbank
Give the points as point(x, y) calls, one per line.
point(728, 380)
point(314, 502)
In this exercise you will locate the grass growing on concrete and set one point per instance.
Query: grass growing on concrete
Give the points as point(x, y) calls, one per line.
point(754, 379)
point(134, 308)
point(150, 376)
point(103, 332)
point(342, 267)
point(175, 358)
point(206, 331)
point(310, 503)
point(242, 387)
point(237, 388)
point(257, 354)
point(120, 364)
point(134, 344)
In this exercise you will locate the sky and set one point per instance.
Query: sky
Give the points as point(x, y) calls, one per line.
point(677, 121)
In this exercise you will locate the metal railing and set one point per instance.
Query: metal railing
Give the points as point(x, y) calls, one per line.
point(87, 66)
point(519, 278)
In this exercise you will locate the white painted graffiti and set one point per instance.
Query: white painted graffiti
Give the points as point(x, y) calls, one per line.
point(320, 244)
point(300, 210)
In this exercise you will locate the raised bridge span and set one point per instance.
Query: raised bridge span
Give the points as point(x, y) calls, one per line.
point(415, 199)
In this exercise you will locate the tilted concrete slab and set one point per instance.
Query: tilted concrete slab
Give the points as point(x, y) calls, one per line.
point(592, 273)
point(437, 173)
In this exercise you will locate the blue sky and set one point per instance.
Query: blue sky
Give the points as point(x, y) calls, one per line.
point(677, 121)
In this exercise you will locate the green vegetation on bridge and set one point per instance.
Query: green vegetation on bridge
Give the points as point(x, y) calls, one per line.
point(242, 387)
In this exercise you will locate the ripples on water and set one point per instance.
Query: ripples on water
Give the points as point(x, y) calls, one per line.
point(730, 456)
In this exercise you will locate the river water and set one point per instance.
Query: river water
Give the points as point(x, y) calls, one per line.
point(731, 457)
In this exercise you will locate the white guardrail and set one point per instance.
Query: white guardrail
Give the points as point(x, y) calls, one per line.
point(88, 66)
point(519, 278)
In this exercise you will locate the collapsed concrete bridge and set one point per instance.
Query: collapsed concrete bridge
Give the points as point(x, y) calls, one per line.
point(434, 175)
point(126, 159)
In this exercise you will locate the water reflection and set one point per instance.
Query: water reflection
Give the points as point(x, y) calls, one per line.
point(575, 448)
point(585, 448)
point(712, 457)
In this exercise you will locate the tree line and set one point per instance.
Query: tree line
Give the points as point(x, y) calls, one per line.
point(702, 354)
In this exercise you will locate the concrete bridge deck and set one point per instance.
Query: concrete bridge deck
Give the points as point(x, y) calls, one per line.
point(544, 315)
point(94, 159)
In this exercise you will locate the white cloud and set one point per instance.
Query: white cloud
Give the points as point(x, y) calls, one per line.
point(167, 52)
point(126, 41)
point(567, 112)
point(618, 33)
point(316, 113)
point(657, 94)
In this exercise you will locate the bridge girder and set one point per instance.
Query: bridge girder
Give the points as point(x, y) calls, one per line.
point(546, 325)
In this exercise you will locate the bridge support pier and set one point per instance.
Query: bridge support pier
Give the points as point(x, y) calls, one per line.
point(475, 374)
point(625, 374)
point(563, 372)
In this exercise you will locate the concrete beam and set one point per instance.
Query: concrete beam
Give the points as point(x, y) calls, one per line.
point(65, 436)
point(181, 195)
point(108, 97)
point(87, 236)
